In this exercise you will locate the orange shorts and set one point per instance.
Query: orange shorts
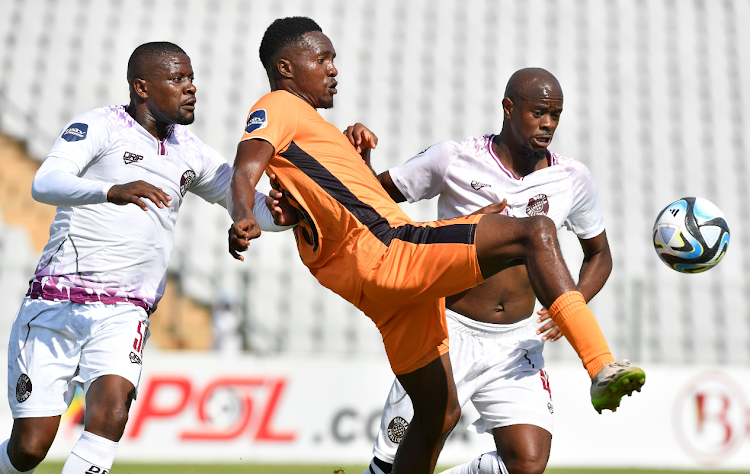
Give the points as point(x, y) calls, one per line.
point(404, 293)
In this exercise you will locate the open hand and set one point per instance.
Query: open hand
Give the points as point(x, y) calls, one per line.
point(361, 137)
point(122, 194)
point(551, 329)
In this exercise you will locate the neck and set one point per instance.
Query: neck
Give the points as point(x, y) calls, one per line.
point(145, 119)
point(513, 157)
point(291, 87)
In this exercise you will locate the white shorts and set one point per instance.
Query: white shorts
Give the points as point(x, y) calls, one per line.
point(499, 367)
point(58, 345)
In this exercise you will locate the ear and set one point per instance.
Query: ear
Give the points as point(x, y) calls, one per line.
point(507, 108)
point(284, 66)
point(140, 88)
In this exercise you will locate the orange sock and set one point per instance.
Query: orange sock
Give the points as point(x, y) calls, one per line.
point(578, 324)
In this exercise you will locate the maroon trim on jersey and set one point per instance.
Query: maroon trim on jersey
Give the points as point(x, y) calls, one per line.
point(162, 145)
point(550, 160)
point(497, 159)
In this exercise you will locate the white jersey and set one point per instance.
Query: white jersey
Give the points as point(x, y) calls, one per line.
point(108, 253)
point(469, 175)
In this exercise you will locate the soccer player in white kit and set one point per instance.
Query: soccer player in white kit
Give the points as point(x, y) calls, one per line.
point(84, 321)
point(495, 347)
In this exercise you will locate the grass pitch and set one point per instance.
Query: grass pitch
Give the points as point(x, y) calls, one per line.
point(123, 468)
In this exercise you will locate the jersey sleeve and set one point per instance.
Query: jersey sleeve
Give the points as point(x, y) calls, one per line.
point(212, 182)
point(421, 177)
point(57, 183)
point(82, 140)
point(273, 119)
point(586, 219)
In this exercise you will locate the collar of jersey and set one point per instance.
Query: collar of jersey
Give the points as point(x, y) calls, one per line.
point(161, 148)
point(551, 161)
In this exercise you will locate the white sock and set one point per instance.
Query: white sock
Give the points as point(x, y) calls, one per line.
point(92, 454)
point(487, 463)
point(6, 467)
point(372, 469)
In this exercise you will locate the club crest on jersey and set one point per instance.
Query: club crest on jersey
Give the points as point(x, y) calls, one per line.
point(537, 206)
point(23, 388)
point(397, 429)
point(131, 157)
point(477, 185)
point(75, 132)
point(187, 179)
point(256, 120)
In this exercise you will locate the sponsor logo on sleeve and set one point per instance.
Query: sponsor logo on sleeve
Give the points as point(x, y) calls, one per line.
point(131, 157)
point(75, 132)
point(256, 120)
point(23, 388)
point(187, 179)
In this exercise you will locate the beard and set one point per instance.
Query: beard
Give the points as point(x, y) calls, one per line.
point(533, 156)
point(184, 118)
point(326, 103)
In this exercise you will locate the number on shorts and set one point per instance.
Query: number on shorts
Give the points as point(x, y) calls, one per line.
point(138, 342)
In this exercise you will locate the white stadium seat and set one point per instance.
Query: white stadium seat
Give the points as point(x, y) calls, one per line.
point(655, 94)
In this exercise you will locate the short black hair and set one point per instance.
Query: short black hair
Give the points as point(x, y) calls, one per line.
point(144, 55)
point(282, 33)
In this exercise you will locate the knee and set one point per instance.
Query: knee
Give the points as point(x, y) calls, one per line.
point(541, 231)
point(28, 452)
point(526, 463)
point(452, 415)
point(438, 422)
point(107, 421)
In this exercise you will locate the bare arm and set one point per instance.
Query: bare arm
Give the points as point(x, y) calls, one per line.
point(252, 158)
point(387, 182)
point(596, 266)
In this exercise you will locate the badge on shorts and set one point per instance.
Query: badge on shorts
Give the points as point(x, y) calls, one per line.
point(23, 388)
point(134, 358)
point(397, 429)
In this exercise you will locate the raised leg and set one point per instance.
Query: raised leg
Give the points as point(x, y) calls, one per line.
point(504, 241)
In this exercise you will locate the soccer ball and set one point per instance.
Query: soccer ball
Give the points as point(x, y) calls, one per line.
point(691, 235)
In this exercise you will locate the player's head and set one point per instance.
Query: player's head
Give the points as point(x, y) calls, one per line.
point(160, 75)
point(532, 106)
point(298, 57)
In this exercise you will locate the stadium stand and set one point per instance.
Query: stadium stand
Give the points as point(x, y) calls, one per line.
point(655, 97)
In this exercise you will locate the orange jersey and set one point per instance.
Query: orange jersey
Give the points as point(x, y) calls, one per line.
point(341, 202)
point(359, 243)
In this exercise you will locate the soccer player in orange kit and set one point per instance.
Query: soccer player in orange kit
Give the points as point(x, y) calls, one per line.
point(359, 243)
